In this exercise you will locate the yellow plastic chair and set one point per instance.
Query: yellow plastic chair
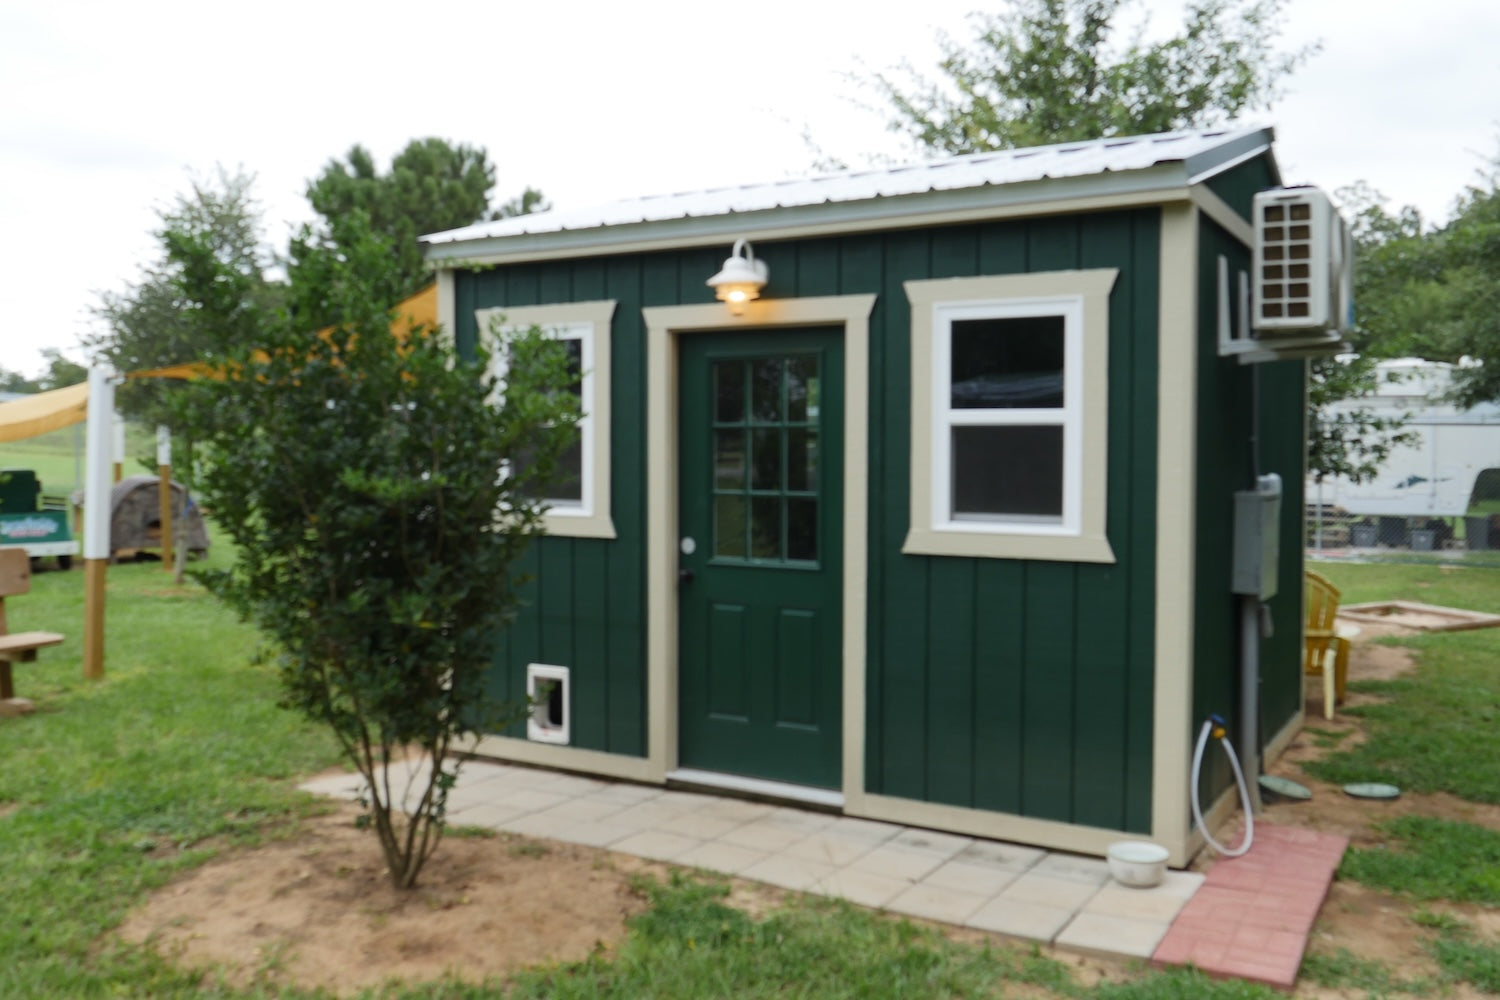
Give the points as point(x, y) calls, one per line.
point(1325, 647)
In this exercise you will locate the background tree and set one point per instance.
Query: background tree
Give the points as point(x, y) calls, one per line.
point(1435, 294)
point(156, 321)
point(528, 201)
point(376, 545)
point(1354, 441)
point(432, 185)
point(16, 382)
point(1470, 250)
point(61, 371)
point(1049, 71)
point(1349, 442)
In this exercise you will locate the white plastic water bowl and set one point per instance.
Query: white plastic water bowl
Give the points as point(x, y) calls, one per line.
point(1139, 864)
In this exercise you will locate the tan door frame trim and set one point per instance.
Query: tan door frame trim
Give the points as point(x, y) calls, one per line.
point(664, 324)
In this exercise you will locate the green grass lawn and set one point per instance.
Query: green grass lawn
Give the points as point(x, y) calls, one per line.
point(181, 753)
point(1457, 585)
point(1435, 731)
point(58, 458)
point(111, 787)
point(1432, 731)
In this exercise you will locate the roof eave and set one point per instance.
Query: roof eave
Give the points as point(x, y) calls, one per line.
point(1231, 153)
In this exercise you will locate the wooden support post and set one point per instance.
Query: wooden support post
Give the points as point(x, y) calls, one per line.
point(93, 618)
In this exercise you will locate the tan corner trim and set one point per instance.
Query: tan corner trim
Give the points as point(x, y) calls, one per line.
point(609, 765)
point(1051, 834)
point(661, 527)
point(663, 325)
point(1176, 465)
point(540, 248)
point(1217, 209)
point(1064, 292)
point(595, 521)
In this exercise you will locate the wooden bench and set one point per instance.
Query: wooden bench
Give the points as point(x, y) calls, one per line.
point(18, 647)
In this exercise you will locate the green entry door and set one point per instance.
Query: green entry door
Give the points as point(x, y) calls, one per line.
point(761, 554)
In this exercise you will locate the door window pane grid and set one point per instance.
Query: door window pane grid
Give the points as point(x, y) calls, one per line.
point(766, 459)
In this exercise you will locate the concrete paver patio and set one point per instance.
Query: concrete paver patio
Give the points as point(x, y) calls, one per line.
point(1023, 892)
point(1250, 921)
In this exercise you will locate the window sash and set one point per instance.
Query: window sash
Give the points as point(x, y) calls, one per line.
point(582, 506)
point(946, 417)
point(590, 323)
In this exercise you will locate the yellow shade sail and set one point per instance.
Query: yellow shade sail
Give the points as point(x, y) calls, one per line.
point(58, 408)
point(43, 412)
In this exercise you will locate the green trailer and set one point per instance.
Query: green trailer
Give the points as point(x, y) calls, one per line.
point(31, 522)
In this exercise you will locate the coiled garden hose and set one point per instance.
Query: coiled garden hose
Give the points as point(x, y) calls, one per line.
point(1215, 726)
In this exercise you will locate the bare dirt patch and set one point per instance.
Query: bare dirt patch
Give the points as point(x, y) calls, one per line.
point(318, 910)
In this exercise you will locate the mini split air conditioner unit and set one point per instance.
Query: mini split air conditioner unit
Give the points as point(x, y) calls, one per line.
point(1302, 282)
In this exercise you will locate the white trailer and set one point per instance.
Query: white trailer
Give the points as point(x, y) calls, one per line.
point(1436, 475)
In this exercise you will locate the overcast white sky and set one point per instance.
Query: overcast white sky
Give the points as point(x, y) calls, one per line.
point(105, 108)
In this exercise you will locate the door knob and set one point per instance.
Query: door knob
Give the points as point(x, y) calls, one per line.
point(684, 576)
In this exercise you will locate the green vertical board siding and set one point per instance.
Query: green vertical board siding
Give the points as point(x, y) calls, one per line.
point(590, 609)
point(1016, 686)
point(1136, 549)
point(622, 281)
point(1051, 636)
point(899, 583)
point(1101, 678)
point(950, 681)
point(1282, 417)
point(1048, 733)
point(817, 268)
point(583, 607)
point(1238, 186)
point(1250, 422)
point(999, 689)
point(554, 605)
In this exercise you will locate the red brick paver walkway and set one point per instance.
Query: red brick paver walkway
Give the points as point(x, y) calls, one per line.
point(1251, 917)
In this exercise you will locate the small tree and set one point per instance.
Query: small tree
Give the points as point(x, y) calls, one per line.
point(1349, 442)
point(359, 475)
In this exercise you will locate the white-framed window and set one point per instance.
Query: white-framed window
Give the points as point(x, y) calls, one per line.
point(578, 497)
point(1009, 411)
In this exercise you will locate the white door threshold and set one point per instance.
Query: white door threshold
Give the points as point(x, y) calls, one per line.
point(758, 787)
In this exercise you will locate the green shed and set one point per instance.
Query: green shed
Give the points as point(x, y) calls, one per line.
point(936, 523)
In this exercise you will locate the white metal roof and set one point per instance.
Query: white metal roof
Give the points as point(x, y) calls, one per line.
point(1118, 167)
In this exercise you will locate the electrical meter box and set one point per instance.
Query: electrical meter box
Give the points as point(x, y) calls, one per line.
point(1257, 514)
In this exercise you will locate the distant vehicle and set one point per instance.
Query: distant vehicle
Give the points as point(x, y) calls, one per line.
point(30, 523)
point(1453, 467)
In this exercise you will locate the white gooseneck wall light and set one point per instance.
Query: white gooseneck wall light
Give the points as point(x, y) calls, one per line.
point(741, 278)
